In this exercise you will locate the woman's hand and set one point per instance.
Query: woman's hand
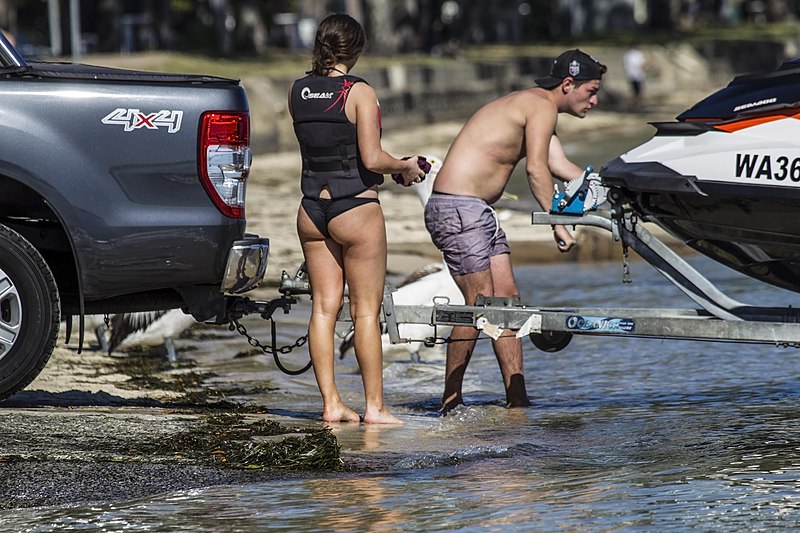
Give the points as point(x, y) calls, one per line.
point(413, 171)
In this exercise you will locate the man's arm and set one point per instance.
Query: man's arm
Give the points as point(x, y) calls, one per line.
point(539, 127)
point(540, 143)
point(362, 108)
point(561, 167)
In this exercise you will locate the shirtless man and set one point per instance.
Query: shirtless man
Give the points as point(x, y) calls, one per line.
point(474, 174)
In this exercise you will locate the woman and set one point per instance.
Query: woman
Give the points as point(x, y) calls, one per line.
point(340, 222)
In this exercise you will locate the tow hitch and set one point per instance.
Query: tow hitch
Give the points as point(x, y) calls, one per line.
point(241, 306)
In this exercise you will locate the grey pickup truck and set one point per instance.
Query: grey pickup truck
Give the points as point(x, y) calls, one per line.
point(120, 191)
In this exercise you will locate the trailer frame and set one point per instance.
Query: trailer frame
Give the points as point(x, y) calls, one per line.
point(719, 317)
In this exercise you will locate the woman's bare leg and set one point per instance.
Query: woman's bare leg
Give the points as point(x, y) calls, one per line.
point(324, 266)
point(362, 234)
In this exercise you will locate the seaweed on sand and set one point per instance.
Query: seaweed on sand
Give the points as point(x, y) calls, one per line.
point(232, 441)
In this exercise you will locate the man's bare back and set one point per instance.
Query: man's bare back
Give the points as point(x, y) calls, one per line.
point(483, 155)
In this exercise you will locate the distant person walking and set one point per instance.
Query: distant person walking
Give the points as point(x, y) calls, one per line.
point(634, 62)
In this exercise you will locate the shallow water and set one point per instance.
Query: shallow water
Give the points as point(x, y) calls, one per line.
point(624, 434)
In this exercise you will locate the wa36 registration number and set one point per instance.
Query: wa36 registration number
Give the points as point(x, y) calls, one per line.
point(768, 167)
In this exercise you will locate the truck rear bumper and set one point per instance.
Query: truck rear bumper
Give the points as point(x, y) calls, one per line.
point(247, 264)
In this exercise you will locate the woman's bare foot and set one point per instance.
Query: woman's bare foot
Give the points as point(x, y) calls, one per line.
point(380, 417)
point(340, 413)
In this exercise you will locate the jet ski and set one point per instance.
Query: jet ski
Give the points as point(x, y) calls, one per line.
point(724, 177)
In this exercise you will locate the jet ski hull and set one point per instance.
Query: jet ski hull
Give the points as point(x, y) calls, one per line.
point(752, 229)
point(725, 178)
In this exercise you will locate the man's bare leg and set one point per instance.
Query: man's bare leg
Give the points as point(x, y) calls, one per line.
point(459, 352)
point(508, 349)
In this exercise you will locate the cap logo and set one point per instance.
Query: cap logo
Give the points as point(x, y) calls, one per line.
point(574, 68)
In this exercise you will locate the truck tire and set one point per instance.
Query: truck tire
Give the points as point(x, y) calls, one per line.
point(29, 312)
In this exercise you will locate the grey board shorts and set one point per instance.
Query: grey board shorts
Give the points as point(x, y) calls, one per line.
point(466, 230)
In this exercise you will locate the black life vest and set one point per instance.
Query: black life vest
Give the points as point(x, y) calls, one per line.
point(328, 141)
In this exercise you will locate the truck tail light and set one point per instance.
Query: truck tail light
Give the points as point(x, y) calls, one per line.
point(225, 159)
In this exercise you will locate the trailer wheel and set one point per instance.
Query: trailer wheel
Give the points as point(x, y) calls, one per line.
point(29, 312)
point(551, 341)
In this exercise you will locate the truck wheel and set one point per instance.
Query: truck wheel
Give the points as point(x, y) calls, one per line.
point(29, 312)
point(551, 341)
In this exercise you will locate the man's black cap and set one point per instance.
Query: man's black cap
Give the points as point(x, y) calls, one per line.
point(572, 64)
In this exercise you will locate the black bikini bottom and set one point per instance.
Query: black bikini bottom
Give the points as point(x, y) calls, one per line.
point(322, 210)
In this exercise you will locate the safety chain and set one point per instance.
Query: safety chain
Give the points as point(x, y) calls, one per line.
point(429, 342)
point(626, 269)
point(272, 350)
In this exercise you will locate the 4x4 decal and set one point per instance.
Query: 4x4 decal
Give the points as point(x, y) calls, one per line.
point(133, 119)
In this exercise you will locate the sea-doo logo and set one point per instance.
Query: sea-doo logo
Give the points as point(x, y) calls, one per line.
point(768, 167)
point(765, 101)
point(306, 94)
point(133, 119)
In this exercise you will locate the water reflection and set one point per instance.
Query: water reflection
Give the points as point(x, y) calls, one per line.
point(362, 438)
point(370, 495)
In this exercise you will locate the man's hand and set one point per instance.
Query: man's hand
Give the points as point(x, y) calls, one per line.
point(564, 238)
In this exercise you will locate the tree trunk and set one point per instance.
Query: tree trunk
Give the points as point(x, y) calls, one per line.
point(380, 27)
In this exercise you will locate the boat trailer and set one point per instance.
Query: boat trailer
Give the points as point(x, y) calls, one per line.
point(718, 318)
